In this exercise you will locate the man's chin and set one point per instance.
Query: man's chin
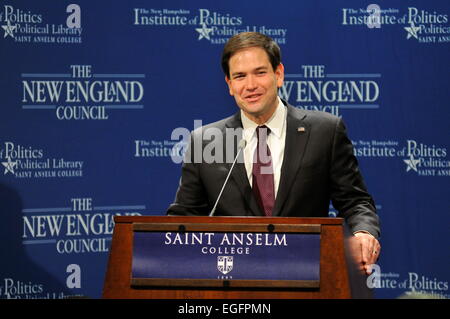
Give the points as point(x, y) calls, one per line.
point(254, 109)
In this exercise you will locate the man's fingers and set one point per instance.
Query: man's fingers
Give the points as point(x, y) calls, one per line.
point(365, 249)
point(370, 250)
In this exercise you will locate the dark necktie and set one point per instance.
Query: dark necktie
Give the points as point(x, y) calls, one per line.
point(262, 173)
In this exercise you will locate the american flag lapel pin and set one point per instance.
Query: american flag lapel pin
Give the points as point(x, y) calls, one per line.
point(301, 129)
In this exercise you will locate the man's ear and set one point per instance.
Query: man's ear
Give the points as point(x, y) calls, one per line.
point(229, 85)
point(279, 73)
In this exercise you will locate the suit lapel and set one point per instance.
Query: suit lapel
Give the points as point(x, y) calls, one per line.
point(239, 173)
point(297, 135)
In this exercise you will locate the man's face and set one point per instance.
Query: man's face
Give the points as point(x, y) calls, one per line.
point(254, 83)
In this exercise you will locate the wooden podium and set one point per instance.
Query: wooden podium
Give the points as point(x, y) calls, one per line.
point(334, 266)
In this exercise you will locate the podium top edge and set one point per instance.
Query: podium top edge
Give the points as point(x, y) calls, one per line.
point(229, 219)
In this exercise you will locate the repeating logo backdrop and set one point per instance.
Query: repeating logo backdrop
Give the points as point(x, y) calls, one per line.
point(91, 92)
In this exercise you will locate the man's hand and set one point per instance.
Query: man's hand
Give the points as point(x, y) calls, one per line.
point(370, 250)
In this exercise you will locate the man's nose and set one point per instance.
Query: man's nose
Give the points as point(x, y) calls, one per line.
point(251, 83)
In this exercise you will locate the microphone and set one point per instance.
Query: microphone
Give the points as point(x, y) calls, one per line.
point(241, 146)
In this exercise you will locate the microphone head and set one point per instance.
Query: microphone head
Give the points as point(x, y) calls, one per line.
point(242, 143)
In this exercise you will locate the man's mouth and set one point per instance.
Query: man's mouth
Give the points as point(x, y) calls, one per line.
point(253, 97)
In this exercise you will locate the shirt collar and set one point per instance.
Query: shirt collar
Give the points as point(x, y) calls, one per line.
point(275, 123)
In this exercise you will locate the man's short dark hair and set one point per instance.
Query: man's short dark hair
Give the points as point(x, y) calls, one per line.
point(247, 40)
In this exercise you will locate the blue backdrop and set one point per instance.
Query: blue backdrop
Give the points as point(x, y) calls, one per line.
point(91, 92)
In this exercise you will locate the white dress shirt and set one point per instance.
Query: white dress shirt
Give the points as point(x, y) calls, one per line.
point(275, 141)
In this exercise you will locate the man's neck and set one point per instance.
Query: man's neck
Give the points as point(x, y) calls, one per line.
point(263, 118)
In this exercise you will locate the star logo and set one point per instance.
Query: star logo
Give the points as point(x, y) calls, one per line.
point(204, 32)
point(9, 29)
point(9, 166)
point(411, 163)
point(412, 31)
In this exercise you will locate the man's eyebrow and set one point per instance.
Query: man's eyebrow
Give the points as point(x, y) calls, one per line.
point(261, 68)
point(237, 73)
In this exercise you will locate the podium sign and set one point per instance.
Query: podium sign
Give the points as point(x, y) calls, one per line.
point(251, 259)
point(199, 257)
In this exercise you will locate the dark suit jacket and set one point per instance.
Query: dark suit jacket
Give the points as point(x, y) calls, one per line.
point(318, 166)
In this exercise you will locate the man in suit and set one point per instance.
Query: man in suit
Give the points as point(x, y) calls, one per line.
point(294, 161)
